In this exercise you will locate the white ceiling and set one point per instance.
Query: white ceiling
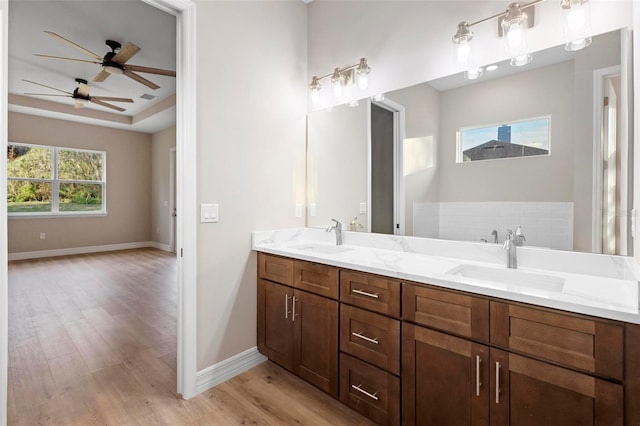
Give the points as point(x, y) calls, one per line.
point(89, 23)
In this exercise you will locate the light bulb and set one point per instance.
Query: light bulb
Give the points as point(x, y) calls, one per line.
point(315, 96)
point(576, 19)
point(337, 88)
point(463, 52)
point(363, 81)
point(514, 36)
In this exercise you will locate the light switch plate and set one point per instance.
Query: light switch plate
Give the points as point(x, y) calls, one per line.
point(363, 208)
point(209, 213)
point(312, 209)
point(298, 210)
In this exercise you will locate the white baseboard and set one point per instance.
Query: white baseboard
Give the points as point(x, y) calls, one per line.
point(159, 246)
point(230, 367)
point(81, 250)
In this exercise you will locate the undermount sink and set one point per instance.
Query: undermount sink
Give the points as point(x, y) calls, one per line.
point(321, 248)
point(510, 277)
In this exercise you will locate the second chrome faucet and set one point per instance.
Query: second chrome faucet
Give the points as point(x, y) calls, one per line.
point(510, 243)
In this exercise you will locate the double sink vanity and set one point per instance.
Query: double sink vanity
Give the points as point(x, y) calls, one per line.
point(418, 331)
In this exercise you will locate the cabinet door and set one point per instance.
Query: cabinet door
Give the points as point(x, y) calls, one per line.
point(275, 328)
point(445, 379)
point(315, 356)
point(528, 392)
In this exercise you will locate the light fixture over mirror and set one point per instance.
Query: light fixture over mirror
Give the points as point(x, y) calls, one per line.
point(342, 78)
point(576, 24)
point(462, 43)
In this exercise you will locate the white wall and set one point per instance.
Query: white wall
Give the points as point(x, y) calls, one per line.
point(251, 62)
point(408, 43)
point(337, 164)
point(161, 144)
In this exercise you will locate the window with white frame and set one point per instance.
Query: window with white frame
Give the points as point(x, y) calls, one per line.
point(46, 180)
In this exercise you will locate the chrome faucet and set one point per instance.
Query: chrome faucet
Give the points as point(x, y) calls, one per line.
point(510, 246)
point(519, 237)
point(494, 234)
point(338, 228)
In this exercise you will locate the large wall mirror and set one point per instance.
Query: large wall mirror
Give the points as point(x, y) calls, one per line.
point(404, 164)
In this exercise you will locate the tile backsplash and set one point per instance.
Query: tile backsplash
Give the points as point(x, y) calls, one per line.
point(544, 224)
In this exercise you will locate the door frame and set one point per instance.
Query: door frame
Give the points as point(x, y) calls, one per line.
point(172, 200)
point(185, 13)
point(398, 111)
point(186, 182)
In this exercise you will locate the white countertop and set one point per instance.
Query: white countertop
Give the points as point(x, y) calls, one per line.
point(598, 285)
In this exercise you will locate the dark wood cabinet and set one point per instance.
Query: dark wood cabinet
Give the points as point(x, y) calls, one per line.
point(528, 392)
point(445, 379)
point(298, 330)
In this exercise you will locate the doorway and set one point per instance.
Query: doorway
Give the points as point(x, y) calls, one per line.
point(386, 163)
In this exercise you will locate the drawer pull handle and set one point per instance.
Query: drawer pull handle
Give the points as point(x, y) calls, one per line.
point(497, 383)
point(363, 337)
point(478, 383)
point(370, 395)
point(364, 293)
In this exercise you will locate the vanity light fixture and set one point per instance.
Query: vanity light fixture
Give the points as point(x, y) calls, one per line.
point(576, 23)
point(462, 43)
point(341, 78)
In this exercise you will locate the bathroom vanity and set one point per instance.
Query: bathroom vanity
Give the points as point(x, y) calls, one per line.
point(417, 331)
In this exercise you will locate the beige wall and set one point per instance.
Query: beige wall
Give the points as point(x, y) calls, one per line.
point(422, 115)
point(546, 91)
point(161, 144)
point(337, 164)
point(128, 186)
point(251, 106)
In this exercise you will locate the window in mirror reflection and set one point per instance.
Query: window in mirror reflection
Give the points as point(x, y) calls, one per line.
point(522, 138)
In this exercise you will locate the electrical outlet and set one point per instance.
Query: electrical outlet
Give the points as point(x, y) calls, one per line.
point(43, 236)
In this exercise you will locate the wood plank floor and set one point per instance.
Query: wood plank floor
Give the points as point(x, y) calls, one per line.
point(92, 341)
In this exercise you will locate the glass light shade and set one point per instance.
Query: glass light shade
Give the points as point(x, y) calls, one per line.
point(463, 52)
point(473, 73)
point(514, 31)
point(336, 83)
point(363, 81)
point(576, 24)
point(462, 44)
point(315, 95)
point(521, 60)
point(362, 74)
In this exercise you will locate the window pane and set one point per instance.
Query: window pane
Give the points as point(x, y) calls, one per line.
point(28, 197)
point(25, 161)
point(79, 165)
point(80, 197)
point(519, 139)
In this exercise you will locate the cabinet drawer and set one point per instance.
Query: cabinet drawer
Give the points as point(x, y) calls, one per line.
point(315, 278)
point(571, 340)
point(275, 268)
point(371, 337)
point(371, 292)
point(457, 313)
point(370, 391)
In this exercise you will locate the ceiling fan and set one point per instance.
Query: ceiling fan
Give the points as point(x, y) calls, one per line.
point(113, 62)
point(81, 95)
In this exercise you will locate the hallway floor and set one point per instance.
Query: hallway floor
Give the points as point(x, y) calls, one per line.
point(92, 340)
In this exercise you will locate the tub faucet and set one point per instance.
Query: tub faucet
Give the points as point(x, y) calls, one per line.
point(338, 228)
point(510, 246)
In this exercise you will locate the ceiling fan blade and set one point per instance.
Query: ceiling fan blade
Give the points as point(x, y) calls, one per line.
point(48, 87)
point(125, 53)
point(66, 59)
point(101, 76)
point(110, 99)
point(48, 94)
point(150, 70)
point(83, 89)
point(141, 79)
point(77, 46)
point(104, 104)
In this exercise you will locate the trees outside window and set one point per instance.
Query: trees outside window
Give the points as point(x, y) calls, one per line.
point(45, 180)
